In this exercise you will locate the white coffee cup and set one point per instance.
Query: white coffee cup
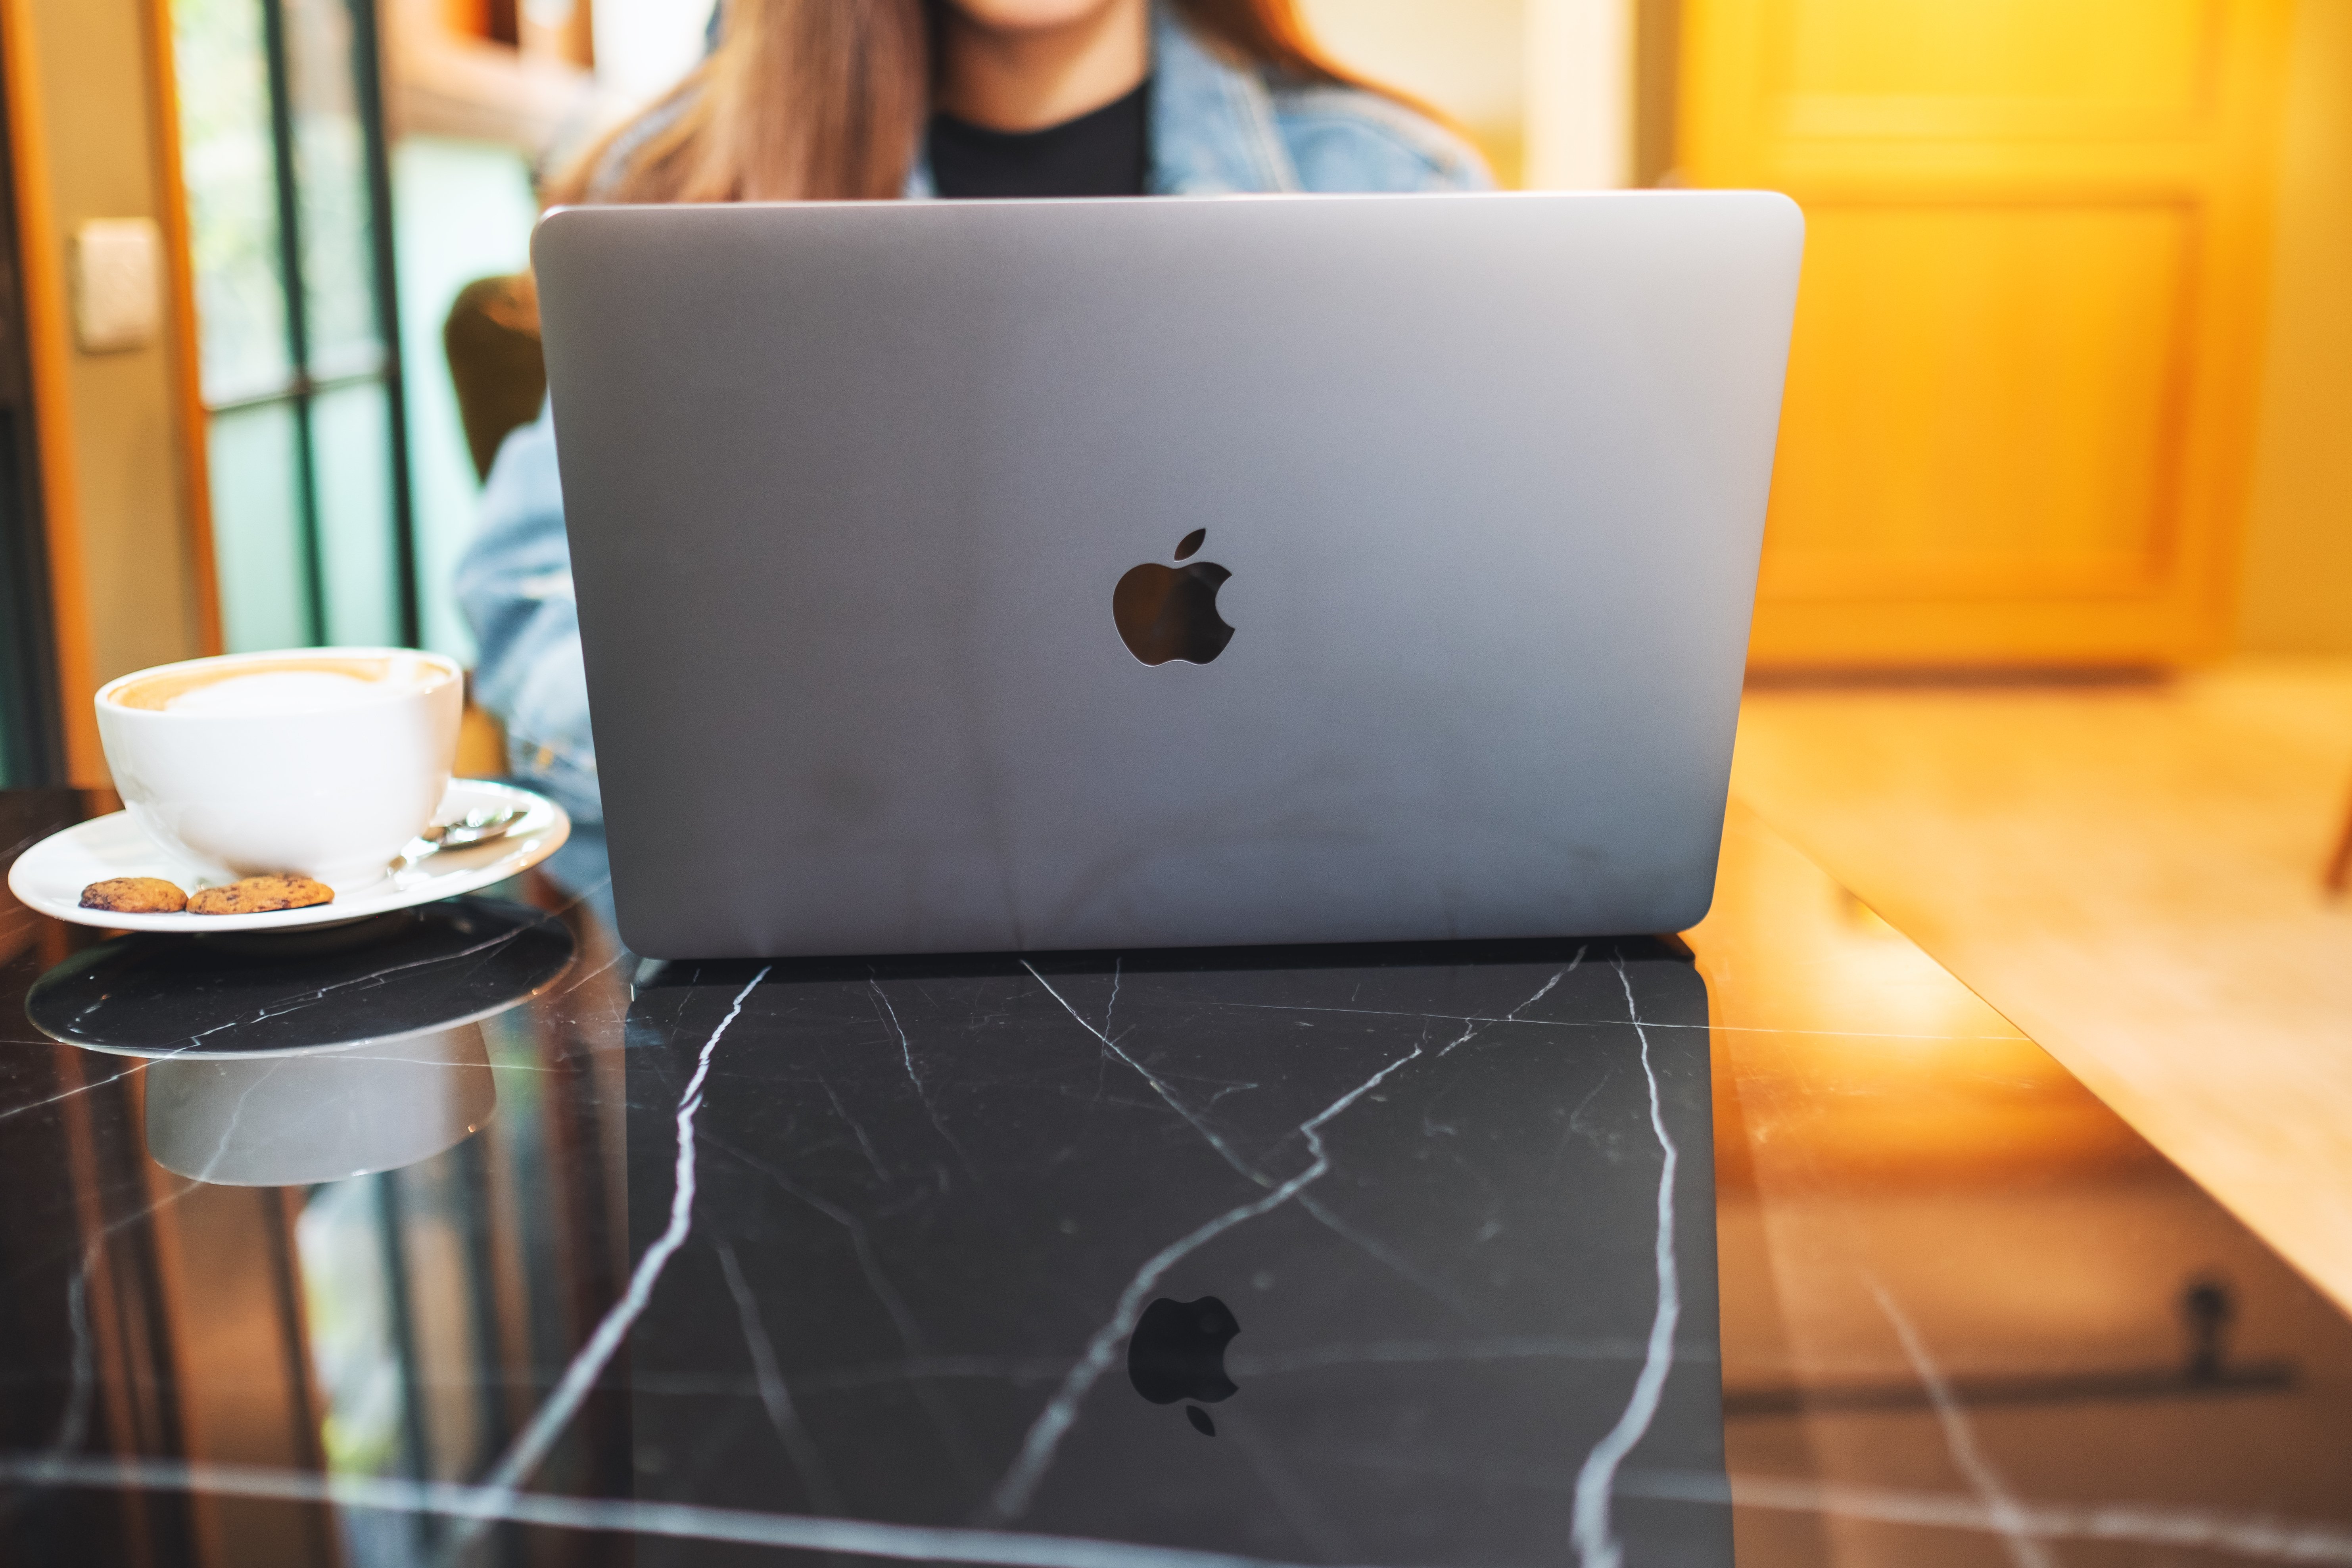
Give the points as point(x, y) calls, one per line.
point(324, 761)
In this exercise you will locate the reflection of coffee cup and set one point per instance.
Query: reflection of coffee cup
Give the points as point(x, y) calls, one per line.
point(324, 761)
point(319, 1115)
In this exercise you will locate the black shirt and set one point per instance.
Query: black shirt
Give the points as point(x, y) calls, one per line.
point(1105, 153)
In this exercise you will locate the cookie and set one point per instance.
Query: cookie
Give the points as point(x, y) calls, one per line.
point(261, 895)
point(134, 896)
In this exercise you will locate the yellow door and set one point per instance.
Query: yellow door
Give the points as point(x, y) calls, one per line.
point(2021, 396)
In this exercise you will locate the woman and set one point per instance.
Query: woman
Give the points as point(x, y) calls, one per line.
point(816, 100)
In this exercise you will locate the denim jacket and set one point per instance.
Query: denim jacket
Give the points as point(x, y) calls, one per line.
point(1216, 128)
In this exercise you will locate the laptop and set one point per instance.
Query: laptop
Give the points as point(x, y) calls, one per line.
point(1028, 575)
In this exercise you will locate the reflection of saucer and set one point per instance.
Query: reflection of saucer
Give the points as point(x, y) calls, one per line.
point(432, 967)
point(50, 876)
point(291, 1120)
point(312, 1054)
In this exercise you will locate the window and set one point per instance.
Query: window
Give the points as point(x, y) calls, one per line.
point(282, 126)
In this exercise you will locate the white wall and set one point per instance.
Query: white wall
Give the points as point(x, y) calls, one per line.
point(1462, 56)
point(642, 47)
point(1580, 94)
point(1545, 85)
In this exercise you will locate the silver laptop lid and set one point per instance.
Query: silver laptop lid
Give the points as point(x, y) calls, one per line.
point(852, 490)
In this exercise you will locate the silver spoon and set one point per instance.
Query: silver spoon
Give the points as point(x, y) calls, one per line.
point(479, 825)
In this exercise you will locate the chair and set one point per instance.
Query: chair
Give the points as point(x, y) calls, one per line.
point(491, 338)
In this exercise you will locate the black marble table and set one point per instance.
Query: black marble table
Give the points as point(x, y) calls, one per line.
point(462, 1236)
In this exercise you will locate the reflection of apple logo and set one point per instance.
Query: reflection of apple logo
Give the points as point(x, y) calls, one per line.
point(1171, 611)
point(1178, 1352)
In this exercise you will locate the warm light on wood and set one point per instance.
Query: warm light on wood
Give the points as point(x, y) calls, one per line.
point(2131, 873)
point(2020, 397)
point(181, 331)
point(47, 344)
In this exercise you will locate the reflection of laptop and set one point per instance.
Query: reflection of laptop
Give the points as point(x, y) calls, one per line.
point(854, 491)
point(1403, 1255)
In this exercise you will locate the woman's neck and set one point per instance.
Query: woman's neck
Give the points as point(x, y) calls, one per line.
point(1008, 75)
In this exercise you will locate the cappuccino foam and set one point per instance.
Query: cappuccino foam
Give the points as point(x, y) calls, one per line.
point(279, 692)
point(247, 686)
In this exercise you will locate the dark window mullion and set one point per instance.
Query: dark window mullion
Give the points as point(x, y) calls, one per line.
point(297, 333)
point(31, 708)
point(368, 66)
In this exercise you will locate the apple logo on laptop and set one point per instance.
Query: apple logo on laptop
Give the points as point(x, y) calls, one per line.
point(1171, 611)
point(1178, 1352)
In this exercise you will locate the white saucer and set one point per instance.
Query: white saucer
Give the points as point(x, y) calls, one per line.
point(50, 876)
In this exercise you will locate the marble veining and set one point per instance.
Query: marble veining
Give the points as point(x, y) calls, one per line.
point(1011, 1496)
point(877, 1280)
point(163, 997)
point(1960, 1437)
point(1585, 1023)
point(1442, 1281)
point(86, 1086)
point(73, 1425)
point(774, 1395)
point(1371, 1245)
point(531, 1447)
point(847, 1257)
point(907, 1054)
point(1597, 1545)
point(2251, 1537)
point(1241, 1364)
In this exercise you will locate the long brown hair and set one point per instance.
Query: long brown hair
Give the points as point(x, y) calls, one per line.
point(825, 101)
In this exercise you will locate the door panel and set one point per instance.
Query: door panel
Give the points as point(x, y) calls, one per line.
point(1980, 401)
point(2020, 395)
point(1993, 66)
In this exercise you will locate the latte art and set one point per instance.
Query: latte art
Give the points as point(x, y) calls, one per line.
point(280, 692)
point(249, 687)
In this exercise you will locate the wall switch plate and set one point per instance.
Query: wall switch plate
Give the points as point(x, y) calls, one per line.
point(117, 280)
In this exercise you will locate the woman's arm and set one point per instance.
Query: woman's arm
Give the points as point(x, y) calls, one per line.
point(515, 585)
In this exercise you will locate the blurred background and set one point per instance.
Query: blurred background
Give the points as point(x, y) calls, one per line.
point(2052, 654)
point(2072, 378)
